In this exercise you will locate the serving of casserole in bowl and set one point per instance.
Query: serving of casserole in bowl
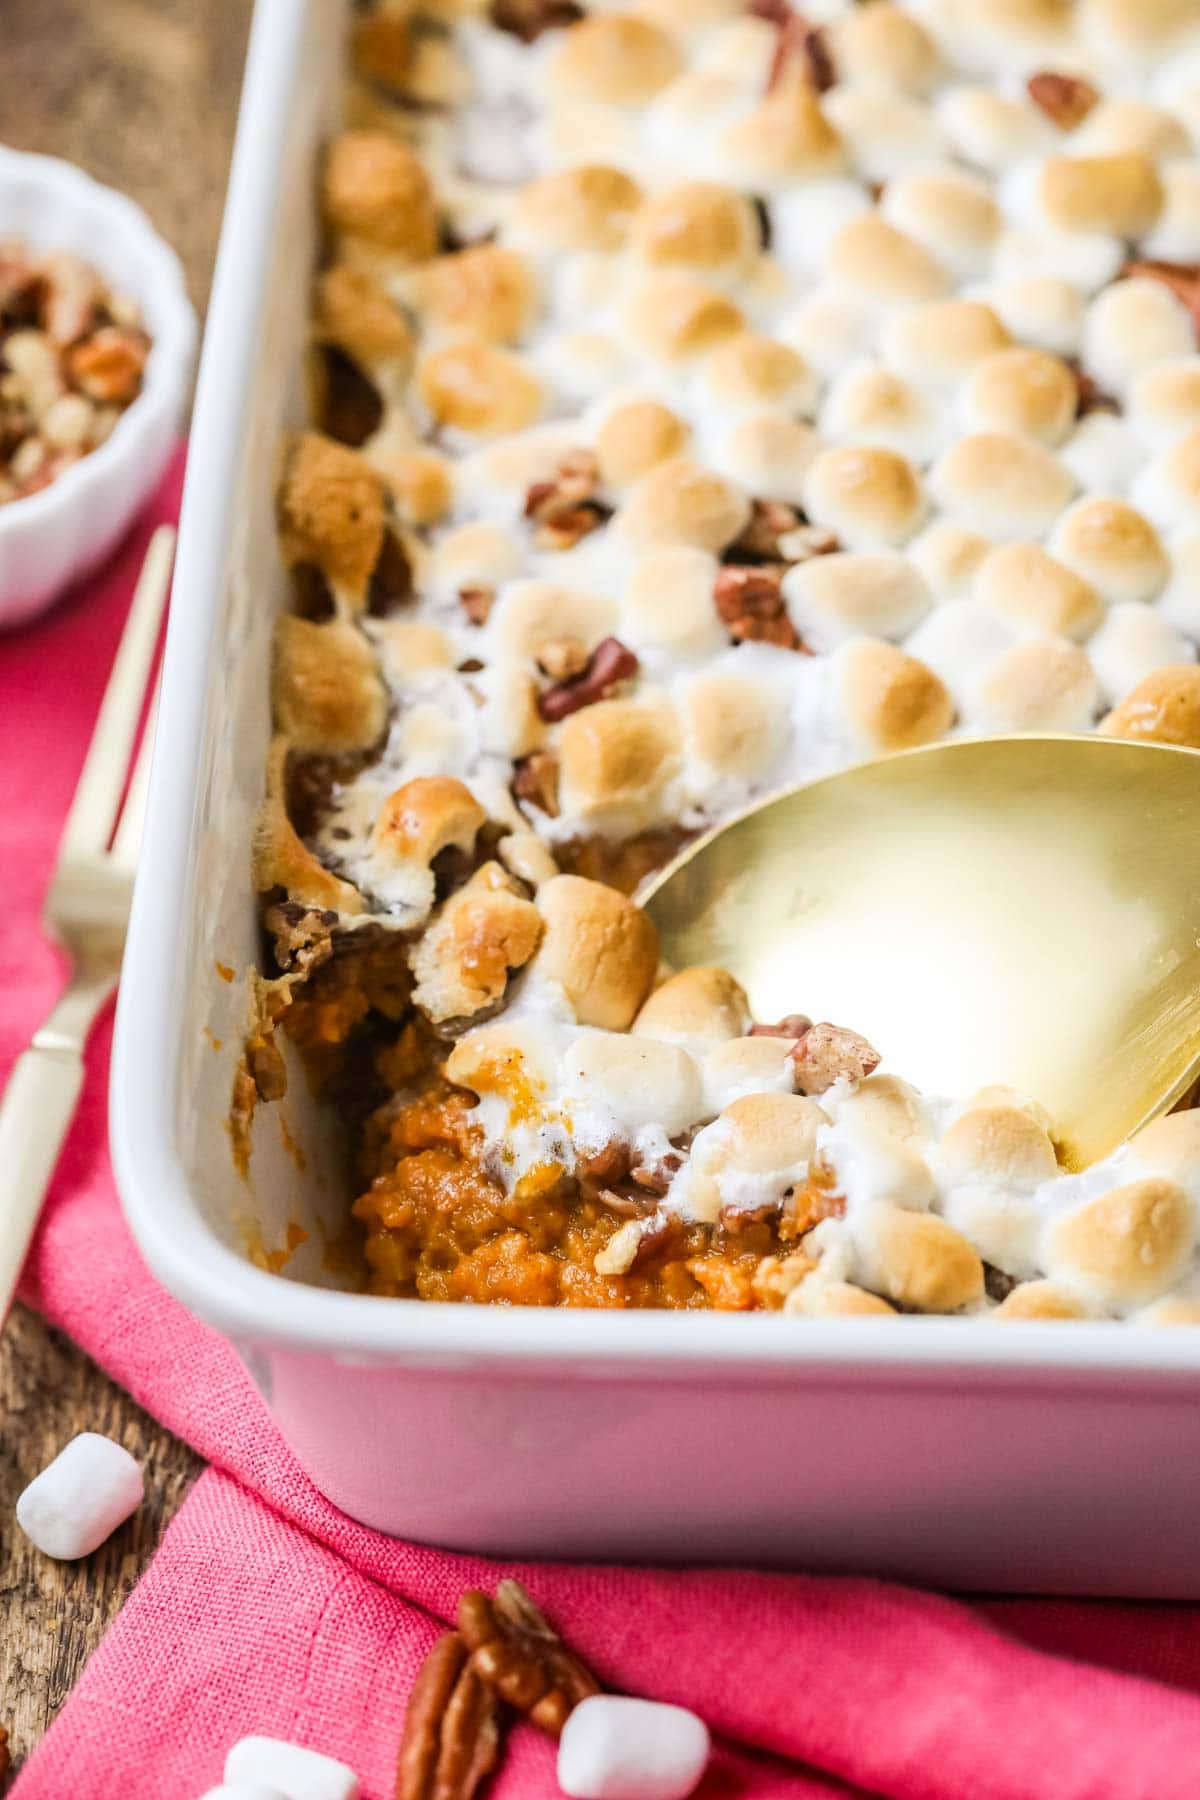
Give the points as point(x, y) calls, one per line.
point(686, 403)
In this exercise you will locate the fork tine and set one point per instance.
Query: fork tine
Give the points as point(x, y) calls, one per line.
point(128, 839)
point(90, 819)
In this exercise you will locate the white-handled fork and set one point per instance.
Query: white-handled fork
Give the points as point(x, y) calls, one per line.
point(86, 909)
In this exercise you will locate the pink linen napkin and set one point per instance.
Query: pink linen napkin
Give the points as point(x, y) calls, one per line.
point(267, 1610)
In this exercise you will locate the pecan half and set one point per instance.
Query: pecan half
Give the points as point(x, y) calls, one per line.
point(1065, 99)
point(828, 1053)
point(792, 1025)
point(535, 779)
point(451, 1738)
point(568, 507)
point(610, 663)
point(477, 603)
point(515, 1648)
point(527, 19)
point(1183, 279)
point(750, 601)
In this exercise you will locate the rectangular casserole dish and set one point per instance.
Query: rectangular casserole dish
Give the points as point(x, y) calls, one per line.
point(1047, 1459)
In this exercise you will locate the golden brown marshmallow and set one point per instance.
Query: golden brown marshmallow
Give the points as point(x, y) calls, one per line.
point(1126, 1246)
point(1023, 390)
point(786, 138)
point(949, 557)
point(614, 59)
point(599, 947)
point(1121, 122)
point(479, 389)
point(864, 494)
point(891, 700)
point(616, 758)
point(373, 187)
point(949, 212)
point(1000, 1143)
point(1112, 546)
point(1039, 1300)
point(1121, 194)
point(533, 613)
point(883, 43)
point(731, 726)
point(354, 313)
point(831, 598)
point(679, 502)
point(695, 227)
point(1164, 708)
point(882, 266)
point(486, 291)
point(326, 691)
point(1171, 1146)
point(1001, 484)
point(668, 603)
point(1042, 684)
point(675, 319)
point(940, 343)
point(1023, 583)
point(633, 438)
point(585, 208)
point(483, 933)
point(331, 511)
point(701, 1006)
point(753, 370)
point(916, 1259)
point(887, 1104)
point(426, 816)
point(420, 483)
point(817, 1299)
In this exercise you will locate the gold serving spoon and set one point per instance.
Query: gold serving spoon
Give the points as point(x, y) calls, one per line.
point(1022, 910)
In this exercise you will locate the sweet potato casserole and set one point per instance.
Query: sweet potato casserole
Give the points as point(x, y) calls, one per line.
point(706, 397)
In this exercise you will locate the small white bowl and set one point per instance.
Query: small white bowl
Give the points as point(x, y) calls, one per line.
point(55, 536)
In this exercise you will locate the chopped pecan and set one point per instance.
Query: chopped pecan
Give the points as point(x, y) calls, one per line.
point(792, 1025)
point(451, 1738)
point(535, 779)
point(828, 1053)
point(609, 1163)
point(568, 507)
point(477, 603)
point(750, 601)
point(759, 539)
point(655, 1178)
point(108, 365)
point(515, 1648)
point(527, 19)
point(610, 663)
point(1183, 279)
point(1065, 99)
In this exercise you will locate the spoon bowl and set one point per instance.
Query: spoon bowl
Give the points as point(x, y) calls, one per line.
point(1020, 910)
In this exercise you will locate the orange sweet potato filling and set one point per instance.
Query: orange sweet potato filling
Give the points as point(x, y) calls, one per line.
point(440, 1227)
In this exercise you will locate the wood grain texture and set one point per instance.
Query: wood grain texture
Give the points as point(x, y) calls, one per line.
point(143, 94)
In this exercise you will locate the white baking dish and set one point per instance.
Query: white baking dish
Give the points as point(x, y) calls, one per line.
point(1060, 1458)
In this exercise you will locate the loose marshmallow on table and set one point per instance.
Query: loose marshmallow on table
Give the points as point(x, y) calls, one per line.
point(263, 1763)
point(245, 1791)
point(78, 1500)
point(613, 1748)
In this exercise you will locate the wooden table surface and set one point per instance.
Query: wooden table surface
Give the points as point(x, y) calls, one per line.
point(142, 93)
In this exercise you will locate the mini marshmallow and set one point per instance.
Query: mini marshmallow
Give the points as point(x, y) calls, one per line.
point(245, 1791)
point(263, 1762)
point(78, 1500)
point(613, 1748)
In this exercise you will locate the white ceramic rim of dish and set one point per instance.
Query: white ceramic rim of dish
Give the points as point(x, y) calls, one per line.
point(247, 1303)
point(158, 286)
